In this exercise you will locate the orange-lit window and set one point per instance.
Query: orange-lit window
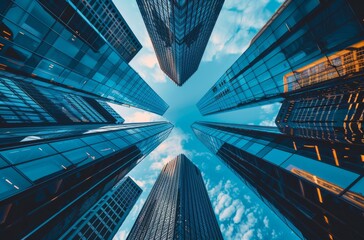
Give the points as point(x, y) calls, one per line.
point(335, 157)
point(319, 195)
point(326, 219)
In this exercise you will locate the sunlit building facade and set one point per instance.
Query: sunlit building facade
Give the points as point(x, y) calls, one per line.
point(177, 207)
point(316, 187)
point(50, 176)
point(306, 43)
point(55, 45)
point(104, 219)
point(179, 31)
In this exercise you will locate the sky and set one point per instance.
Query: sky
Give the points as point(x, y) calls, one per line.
point(240, 213)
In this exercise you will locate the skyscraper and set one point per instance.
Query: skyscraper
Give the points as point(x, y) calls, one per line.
point(177, 207)
point(303, 45)
point(58, 44)
point(107, 20)
point(314, 186)
point(25, 104)
point(50, 176)
point(104, 219)
point(333, 113)
point(179, 31)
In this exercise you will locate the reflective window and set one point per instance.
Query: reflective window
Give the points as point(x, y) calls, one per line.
point(40, 168)
point(277, 157)
point(11, 182)
point(82, 156)
point(67, 145)
point(24, 154)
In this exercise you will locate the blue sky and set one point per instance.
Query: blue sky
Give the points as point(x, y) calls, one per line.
point(241, 215)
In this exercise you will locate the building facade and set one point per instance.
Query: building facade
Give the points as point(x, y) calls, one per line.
point(177, 207)
point(179, 31)
point(106, 18)
point(51, 43)
point(314, 186)
point(51, 176)
point(104, 219)
point(334, 113)
point(303, 45)
point(25, 104)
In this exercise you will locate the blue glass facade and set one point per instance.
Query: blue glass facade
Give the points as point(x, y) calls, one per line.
point(314, 186)
point(178, 206)
point(179, 31)
point(107, 20)
point(304, 44)
point(103, 220)
point(52, 44)
point(49, 182)
point(25, 104)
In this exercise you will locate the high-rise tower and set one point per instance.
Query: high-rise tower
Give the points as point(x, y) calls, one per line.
point(104, 219)
point(316, 187)
point(306, 44)
point(177, 207)
point(50, 176)
point(63, 44)
point(179, 31)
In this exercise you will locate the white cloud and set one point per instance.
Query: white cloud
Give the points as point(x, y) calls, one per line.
point(268, 123)
point(239, 214)
point(133, 115)
point(121, 235)
point(218, 167)
point(266, 222)
point(237, 24)
point(169, 149)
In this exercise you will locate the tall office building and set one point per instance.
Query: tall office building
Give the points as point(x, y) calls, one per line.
point(26, 104)
point(58, 44)
point(179, 31)
point(106, 18)
point(104, 219)
point(333, 113)
point(306, 44)
point(177, 207)
point(314, 186)
point(50, 176)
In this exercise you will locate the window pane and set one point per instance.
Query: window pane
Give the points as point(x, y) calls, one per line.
point(11, 182)
point(67, 145)
point(82, 156)
point(40, 168)
point(24, 154)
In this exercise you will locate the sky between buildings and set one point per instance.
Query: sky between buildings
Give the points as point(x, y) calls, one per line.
point(240, 214)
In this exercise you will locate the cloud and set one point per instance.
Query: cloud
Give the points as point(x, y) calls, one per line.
point(237, 24)
point(121, 235)
point(266, 222)
point(218, 167)
point(268, 123)
point(133, 115)
point(169, 149)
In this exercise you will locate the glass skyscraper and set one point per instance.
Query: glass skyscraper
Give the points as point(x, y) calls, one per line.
point(306, 44)
point(50, 176)
point(177, 207)
point(315, 186)
point(25, 104)
point(103, 220)
point(179, 31)
point(334, 113)
point(64, 44)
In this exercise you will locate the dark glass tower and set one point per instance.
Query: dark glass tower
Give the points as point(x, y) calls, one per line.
point(25, 104)
point(178, 206)
point(306, 44)
point(50, 176)
point(334, 113)
point(179, 31)
point(104, 219)
point(107, 20)
point(316, 187)
point(63, 44)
